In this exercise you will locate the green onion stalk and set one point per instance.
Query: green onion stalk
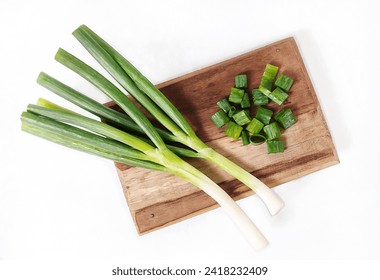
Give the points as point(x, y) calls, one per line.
point(156, 103)
point(131, 138)
point(73, 130)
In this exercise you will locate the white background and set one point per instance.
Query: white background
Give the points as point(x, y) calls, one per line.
point(57, 203)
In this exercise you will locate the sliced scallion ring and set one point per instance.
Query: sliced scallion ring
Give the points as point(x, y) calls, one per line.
point(257, 139)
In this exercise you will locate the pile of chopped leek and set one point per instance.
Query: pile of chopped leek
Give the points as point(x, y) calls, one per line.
point(131, 138)
point(235, 110)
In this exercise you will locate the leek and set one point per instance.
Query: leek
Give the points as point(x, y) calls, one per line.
point(264, 115)
point(242, 117)
point(231, 111)
point(272, 131)
point(130, 146)
point(220, 118)
point(259, 98)
point(241, 81)
point(257, 139)
point(245, 103)
point(62, 127)
point(236, 95)
point(245, 138)
point(285, 118)
point(138, 86)
point(268, 77)
point(255, 126)
point(284, 82)
point(224, 104)
point(275, 146)
point(233, 130)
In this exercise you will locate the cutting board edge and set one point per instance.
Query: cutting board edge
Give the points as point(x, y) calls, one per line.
point(314, 94)
point(245, 194)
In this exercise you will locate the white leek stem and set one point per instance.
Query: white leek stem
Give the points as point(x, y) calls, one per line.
point(243, 222)
point(272, 201)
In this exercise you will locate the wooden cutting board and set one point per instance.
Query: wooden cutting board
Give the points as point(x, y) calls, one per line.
point(157, 200)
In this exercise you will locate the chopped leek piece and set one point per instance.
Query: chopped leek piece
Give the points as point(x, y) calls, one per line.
point(232, 111)
point(284, 82)
point(241, 81)
point(236, 95)
point(259, 98)
point(220, 118)
point(285, 118)
point(245, 101)
point(257, 139)
point(224, 104)
point(275, 146)
point(244, 138)
point(264, 91)
point(248, 112)
point(266, 83)
point(255, 126)
point(270, 71)
point(264, 115)
point(268, 77)
point(242, 117)
point(272, 131)
point(278, 96)
point(233, 130)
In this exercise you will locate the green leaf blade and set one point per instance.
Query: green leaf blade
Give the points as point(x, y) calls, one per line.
point(83, 33)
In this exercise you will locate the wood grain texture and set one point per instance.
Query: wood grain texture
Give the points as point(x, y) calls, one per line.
point(157, 200)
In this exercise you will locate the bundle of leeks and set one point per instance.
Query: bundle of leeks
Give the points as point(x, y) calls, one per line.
point(131, 138)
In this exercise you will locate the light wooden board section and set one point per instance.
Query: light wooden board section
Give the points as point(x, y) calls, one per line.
point(157, 200)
